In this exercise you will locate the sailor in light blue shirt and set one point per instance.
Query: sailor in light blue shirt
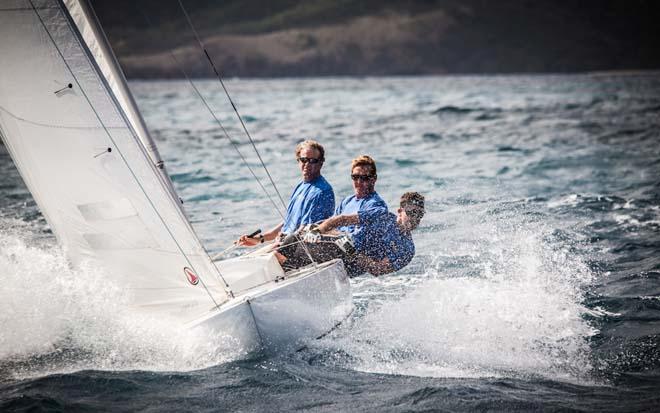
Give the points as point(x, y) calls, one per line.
point(311, 201)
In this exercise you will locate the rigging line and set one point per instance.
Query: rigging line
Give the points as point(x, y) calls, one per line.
point(208, 107)
point(179, 66)
point(263, 164)
point(98, 117)
point(240, 118)
point(163, 177)
point(165, 180)
point(237, 150)
point(305, 248)
point(234, 145)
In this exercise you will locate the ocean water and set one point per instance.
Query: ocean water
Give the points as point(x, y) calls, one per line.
point(536, 284)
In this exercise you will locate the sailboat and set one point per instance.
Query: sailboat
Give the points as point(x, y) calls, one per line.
point(71, 126)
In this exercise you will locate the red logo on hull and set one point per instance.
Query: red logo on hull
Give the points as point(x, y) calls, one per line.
point(191, 276)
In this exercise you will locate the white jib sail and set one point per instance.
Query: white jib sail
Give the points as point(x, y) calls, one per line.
point(80, 156)
point(88, 26)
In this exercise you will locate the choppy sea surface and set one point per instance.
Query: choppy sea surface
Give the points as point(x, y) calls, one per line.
point(536, 284)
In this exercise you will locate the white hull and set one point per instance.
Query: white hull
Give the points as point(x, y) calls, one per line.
point(285, 315)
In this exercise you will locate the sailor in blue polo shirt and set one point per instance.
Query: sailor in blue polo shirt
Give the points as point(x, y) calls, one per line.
point(384, 244)
point(311, 201)
point(365, 200)
point(394, 248)
point(382, 241)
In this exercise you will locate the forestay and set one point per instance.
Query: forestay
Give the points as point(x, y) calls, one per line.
point(79, 152)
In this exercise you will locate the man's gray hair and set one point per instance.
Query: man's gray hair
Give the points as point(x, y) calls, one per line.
point(309, 143)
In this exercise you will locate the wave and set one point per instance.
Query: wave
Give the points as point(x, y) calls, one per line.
point(58, 319)
point(452, 110)
point(512, 306)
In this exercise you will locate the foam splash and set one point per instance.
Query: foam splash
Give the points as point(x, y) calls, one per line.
point(513, 307)
point(57, 319)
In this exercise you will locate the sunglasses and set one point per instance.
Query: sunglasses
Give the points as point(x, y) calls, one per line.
point(313, 161)
point(357, 177)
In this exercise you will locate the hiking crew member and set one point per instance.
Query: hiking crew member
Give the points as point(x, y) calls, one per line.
point(382, 245)
point(365, 201)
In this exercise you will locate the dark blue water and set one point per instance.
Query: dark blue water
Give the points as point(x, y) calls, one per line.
point(536, 285)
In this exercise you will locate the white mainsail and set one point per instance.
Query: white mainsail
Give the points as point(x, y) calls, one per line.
point(79, 151)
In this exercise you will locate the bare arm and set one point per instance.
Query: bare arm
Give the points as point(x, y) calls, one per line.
point(273, 232)
point(338, 221)
point(270, 235)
